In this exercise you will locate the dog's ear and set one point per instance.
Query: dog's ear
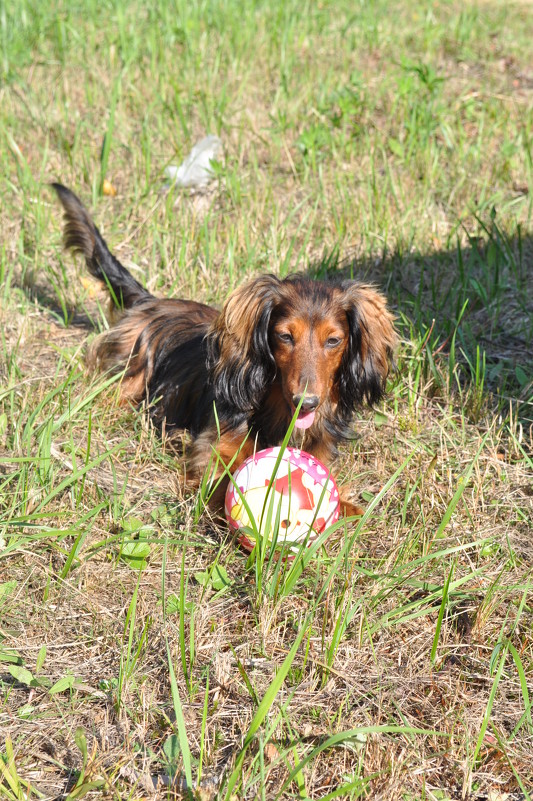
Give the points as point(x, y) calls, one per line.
point(239, 353)
point(372, 343)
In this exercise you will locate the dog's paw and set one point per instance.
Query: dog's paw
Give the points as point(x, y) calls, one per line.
point(349, 509)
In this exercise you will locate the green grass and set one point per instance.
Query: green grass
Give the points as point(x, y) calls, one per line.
point(386, 141)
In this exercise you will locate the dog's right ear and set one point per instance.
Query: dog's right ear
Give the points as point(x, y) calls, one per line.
point(240, 357)
point(372, 344)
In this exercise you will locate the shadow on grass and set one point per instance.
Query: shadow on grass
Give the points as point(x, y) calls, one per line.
point(472, 305)
point(61, 311)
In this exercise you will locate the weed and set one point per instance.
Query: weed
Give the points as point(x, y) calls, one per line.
point(385, 142)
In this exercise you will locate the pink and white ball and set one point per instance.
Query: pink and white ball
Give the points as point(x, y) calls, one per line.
point(303, 494)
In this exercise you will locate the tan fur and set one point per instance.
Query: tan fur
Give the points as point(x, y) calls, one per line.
point(305, 364)
point(379, 336)
point(234, 379)
point(240, 315)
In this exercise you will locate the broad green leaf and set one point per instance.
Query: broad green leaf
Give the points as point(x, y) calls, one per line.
point(217, 578)
point(81, 742)
point(8, 655)
point(7, 588)
point(21, 674)
point(172, 748)
point(41, 656)
point(136, 550)
point(26, 712)
point(173, 605)
point(66, 683)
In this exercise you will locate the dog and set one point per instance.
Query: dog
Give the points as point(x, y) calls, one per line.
point(234, 379)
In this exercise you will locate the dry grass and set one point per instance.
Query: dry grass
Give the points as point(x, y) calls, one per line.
point(375, 141)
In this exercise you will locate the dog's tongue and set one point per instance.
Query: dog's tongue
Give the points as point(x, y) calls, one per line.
point(305, 420)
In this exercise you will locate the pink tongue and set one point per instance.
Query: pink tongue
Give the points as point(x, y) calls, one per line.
point(305, 420)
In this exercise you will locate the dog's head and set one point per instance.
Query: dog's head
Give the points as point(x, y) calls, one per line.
point(320, 343)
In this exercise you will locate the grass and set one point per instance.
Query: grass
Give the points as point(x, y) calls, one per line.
point(141, 652)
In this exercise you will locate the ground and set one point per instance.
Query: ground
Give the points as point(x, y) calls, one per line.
point(141, 651)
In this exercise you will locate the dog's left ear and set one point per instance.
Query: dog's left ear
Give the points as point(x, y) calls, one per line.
point(240, 357)
point(372, 343)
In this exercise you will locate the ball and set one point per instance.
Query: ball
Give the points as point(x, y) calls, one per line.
point(301, 494)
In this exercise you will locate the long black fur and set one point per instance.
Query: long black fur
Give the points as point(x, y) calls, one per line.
point(82, 236)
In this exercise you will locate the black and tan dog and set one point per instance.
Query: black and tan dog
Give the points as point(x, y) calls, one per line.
point(276, 345)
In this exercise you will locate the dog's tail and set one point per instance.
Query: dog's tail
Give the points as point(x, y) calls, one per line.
point(82, 236)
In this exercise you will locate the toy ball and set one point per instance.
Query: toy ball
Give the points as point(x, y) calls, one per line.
point(301, 494)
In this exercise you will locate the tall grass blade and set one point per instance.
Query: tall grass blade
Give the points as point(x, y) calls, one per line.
point(442, 609)
point(176, 700)
point(263, 709)
point(458, 494)
point(353, 734)
point(488, 711)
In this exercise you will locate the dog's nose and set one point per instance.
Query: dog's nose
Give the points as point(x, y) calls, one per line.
point(309, 403)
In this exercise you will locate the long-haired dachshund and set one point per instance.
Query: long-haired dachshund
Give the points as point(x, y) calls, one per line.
point(234, 378)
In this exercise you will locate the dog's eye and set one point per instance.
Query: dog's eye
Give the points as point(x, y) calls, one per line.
point(284, 337)
point(333, 342)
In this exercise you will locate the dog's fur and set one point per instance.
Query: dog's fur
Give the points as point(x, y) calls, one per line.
point(276, 345)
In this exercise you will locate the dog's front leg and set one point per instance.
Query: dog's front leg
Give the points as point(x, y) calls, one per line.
point(349, 509)
point(325, 451)
point(211, 456)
